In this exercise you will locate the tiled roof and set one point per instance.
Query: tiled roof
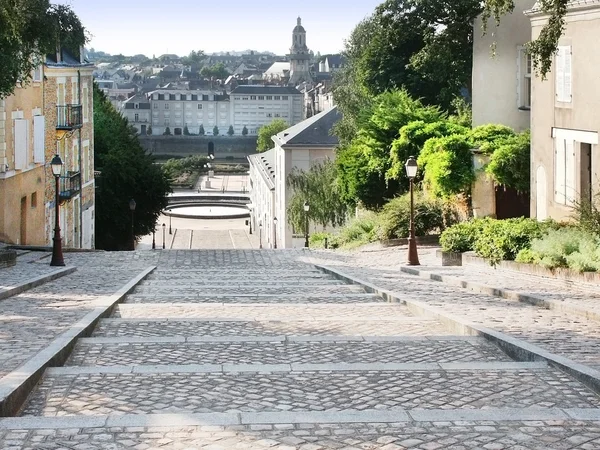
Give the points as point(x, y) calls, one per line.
point(268, 90)
point(265, 162)
point(314, 131)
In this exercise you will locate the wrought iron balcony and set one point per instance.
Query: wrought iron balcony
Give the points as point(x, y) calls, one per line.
point(70, 185)
point(69, 117)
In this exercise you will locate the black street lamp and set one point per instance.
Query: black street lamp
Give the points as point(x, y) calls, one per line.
point(57, 255)
point(132, 209)
point(411, 172)
point(170, 231)
point(164, 233)
point(260, 234)
point(153, 238)
point(275, 232)
point(306, 210)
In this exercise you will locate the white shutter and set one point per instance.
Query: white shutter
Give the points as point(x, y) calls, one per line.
point(568, 91)
point(39, 130)
point(560, 74)
point(570, 191)
point(559, 171)
point(21, 142)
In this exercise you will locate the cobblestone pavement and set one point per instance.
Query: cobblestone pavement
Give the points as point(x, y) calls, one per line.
point(258, 349)
point(24, 270)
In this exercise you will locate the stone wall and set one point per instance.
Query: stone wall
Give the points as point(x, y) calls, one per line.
point(236, 146)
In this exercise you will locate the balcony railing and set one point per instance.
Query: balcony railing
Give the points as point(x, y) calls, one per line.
point(70, 185)
point(69, 117)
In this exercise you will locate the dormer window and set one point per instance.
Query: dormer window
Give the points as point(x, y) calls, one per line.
point(137, 106)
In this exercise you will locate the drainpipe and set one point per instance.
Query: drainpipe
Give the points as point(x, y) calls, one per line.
point(80, 160)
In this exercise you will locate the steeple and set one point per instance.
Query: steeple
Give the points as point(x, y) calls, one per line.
point(299, 55)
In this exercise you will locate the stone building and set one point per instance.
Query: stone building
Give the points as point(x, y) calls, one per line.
point(299, 57)
point(137, 111)
point(70, 133)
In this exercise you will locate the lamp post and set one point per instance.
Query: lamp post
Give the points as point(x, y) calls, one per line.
point(57, 255)
point(306, 210)
point(260, 234)
point(275, 232)
point(164, 229)
point(170, 231)
point(132, 209)
point(411, 171)
point(153, 239)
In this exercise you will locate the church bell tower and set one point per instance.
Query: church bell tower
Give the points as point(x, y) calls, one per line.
point(299, 56)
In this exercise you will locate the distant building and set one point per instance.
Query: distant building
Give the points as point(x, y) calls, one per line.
point(255, 106)
point(137, 111)
point(299, 56)
point(299, 146)
point(331, 63)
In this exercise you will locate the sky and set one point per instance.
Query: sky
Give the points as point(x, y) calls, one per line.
point(156, 27)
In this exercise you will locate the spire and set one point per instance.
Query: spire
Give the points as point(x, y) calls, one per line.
point(299, 21)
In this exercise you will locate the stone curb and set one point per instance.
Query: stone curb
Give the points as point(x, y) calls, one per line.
point(516, 348)
point(494, 415)
point(35, 282)
point(16, 386)
point(508, 294)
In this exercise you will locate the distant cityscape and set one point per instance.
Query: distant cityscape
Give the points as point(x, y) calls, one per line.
point(221, 93)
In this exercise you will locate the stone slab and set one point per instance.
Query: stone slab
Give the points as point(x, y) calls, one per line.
point(325, 417)
point(494, 414)
point(35, 282)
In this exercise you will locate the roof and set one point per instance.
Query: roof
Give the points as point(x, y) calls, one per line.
point(265, 163)
point(137, 98)
point(314, 131)
point(268, 90)
point(68, 60)
point(279, 67)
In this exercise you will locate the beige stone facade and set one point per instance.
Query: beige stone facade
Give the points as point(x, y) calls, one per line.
point(22, 178)
point(565, 166)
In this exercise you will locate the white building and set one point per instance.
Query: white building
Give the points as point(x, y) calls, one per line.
point(137, 111)
point(299, 146)
point(253, 106)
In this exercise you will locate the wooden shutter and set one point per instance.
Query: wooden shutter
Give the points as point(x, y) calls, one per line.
point(563, 77)
point(39, 128)
point(21, 142)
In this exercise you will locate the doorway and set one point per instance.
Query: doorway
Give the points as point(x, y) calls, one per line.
point(143, 130)
point(23, 234)
point(585, 176)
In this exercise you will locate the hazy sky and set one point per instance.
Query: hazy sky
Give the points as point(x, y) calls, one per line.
point(179, 26)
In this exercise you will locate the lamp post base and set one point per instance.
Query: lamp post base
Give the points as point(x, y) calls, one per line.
point(57, 255)
point(413, 256)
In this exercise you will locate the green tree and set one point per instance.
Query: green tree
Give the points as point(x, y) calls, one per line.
point(194, 58)
point(201, 130)
point(167, 131)
point(510, 164)
point(230, 131)
point(317, 186)
point(244, 131)
point(265, 132)
point(218, 71)
point(186, 131)
point(149, 130)
point(127, 172)
point(215, 131)
point(30, 29)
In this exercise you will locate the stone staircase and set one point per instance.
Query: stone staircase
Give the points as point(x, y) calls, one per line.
point(288, 357)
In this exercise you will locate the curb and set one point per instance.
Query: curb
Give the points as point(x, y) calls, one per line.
point(35, 282)
point(508, 294)
point(17, 385)
point(515, 348)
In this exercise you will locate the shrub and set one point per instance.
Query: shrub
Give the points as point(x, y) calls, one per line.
point(488, 137)
point(230, 130)
point(461, 237)
point(186, 131)
point(361, 230)
point(510, 163)
point(430, 216)
point(201, 130)
point(149, 130)
point(167, 131)
point(317, 240)
point(587, 214)
point(504, 239)
point(216, 131)
point(245, 131)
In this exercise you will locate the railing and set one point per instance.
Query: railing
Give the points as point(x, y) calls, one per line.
point(68, 117)
point(70, 185)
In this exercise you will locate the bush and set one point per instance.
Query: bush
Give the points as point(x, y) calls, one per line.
point(149, 130)
point(462, 236)
point(245, 131)
point(510, 163)
point(216, 131)
point(587, 215)
point(317, 240)
point(361, 230)
point(186, 131)
point(488, 137)
point(230, 131)
point(430, 216)
point(167, 131)
point(201, 130)
point(567, 247)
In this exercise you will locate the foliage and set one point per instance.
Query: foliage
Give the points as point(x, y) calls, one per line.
point(318, 187)
point(30, 29)
point(173, 168)
point(430, 216)
point(363, 163)
point(463, 112)
point(461, 237)
point(412, 139)
point(201, 131)
point(215, 131)
point(587, 214)
point(510, 163)
point(359, 231)
point(567, 247)
point(244, 131)
point(217, 71)
point(194, 58)
point(265, 132)
point(167, 132)
point(488, 138)
point(127, 172)
point(186, 131)
point(149, 130)
point(230, 131)
point(447, 163)
point(504, 239)
point(317, 240)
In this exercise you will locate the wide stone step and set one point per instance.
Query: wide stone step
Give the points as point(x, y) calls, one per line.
point(283, 312)
point(253, 281)
point(142, 327)
point(175, 392)
point(256, 299)
point(227, 275)
point(255, 289)
point(121, 351)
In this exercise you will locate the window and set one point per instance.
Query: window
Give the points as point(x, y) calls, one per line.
point(284, 97)
point(564, 91)
point(161, 96)
point(244, 98)
point(34, 200)
point(167, 122)
point(199, 106)
point(253, 97)
point(277, 115)
point(238, 98)
point(564, 172)
point(261, 97)
point(136, 117)
point(85, 106)
point(156, 106)
point(524, 77)
point(194, 97)
point(37, 74)
point(166, 106)
point(171, 96)
point(21, 143)
point(277, 97)
point(269, 97)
